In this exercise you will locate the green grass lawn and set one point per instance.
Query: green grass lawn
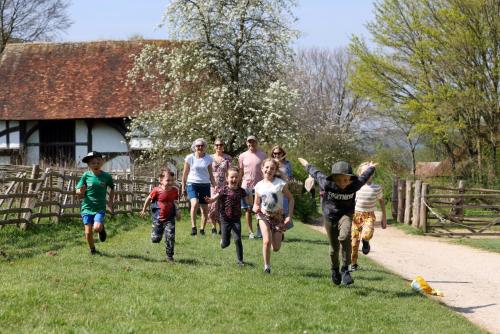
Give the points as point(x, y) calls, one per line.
point(489, 244)
point(50, 284)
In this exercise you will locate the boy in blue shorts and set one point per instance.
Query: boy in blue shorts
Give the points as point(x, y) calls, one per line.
point(93, 186)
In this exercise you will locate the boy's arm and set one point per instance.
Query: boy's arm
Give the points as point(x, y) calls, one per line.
point(111, 200)
point(146, 203)
point(363, 178)
point(316, 174)
point(382, 207)
point(212, 199)
point(81, 186)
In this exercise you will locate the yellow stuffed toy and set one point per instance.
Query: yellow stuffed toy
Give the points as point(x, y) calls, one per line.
point(421, 285)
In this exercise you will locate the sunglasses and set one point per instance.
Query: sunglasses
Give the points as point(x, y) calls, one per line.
point(219, 145)
point(200, 145)
point(277, 153)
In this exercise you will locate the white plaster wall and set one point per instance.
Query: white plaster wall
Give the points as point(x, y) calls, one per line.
point(107, 139)
point(13, 136)
point(119, 163)
point(4, 159)
point(33, 152)
point(81, 132)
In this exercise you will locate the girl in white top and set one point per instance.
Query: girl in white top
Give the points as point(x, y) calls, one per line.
point(268, 206)
point(196, 180)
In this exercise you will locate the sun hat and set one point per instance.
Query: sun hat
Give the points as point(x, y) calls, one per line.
point(91, 155)
point(340, 168)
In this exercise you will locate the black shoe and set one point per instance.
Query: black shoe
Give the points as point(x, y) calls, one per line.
point(220, 232)
point(267, 270)
point(202, 231)
point(366, 247)
point(103, 235)
point(214, 231)
point(193, 231)
point(93, 251)
point(336, 278)
point(170, 259)
point(354, 267)
point(346, 276)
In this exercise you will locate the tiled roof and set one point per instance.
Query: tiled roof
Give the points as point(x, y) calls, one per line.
point(71, 80)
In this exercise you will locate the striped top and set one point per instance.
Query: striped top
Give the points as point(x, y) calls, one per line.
point(367, 196)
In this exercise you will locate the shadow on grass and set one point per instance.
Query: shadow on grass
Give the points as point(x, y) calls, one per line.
point(366, 291)
point(316, 275)
point(42, 238)
point(308, 241)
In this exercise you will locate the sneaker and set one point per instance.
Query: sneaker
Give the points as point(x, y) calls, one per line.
point(354, 267)
point(103, 235)
point(366, 247)
point(336, 278)
point(267, 270)
point(220, 232)
point(193, 231)
point(241, 264)
point(93, 251)
point(251, 235)
point(202, 231)
point(170, 259)
point(214, 231)
point(346, 277)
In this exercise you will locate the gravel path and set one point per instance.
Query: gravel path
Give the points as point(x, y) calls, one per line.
point(469, 278)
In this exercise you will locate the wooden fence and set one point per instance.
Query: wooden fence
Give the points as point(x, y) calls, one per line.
point(439, 210)
point(28, 196)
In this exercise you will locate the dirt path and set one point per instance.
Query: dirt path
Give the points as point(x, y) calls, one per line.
point(469, 278)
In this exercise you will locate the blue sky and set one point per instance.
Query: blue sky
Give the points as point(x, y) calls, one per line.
point(323, 23)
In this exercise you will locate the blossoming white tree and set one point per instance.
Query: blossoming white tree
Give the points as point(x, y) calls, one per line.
point(222, 79)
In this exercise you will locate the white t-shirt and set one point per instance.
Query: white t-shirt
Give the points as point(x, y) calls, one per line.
point(367, 196)
point(271, 194)
point(198, 168)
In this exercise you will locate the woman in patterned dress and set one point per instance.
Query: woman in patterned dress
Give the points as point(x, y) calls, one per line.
point(220, 165)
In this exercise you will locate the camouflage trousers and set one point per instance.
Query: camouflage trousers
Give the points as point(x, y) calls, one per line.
point(339, 235)
point(167, 228)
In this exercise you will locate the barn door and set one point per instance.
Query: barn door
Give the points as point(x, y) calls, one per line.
point(57, 141)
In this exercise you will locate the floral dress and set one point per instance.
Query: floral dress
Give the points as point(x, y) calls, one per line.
point(219, 170)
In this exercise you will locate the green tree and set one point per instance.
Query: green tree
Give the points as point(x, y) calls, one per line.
point(223, 78)
point(437, 62)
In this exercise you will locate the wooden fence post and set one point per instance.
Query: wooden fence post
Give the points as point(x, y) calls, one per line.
point(459, 201)
point(407, 219)
point(401, 200)
point(394, 197)
point(416, 204)
point(423, 207)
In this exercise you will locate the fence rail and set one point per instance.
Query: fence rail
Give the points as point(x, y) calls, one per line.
point(440, 210)
point(27, 196)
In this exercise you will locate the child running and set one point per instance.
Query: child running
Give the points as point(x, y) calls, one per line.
point(165, 196)
point(338, 208)
point(268, 207)
point(229, 198)
point(93, 186)
point(364, 216)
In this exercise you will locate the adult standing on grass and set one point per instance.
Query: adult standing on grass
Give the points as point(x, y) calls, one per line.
point(250, 165)
point(220, 166)
point(93, 186)
point(196, 180)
